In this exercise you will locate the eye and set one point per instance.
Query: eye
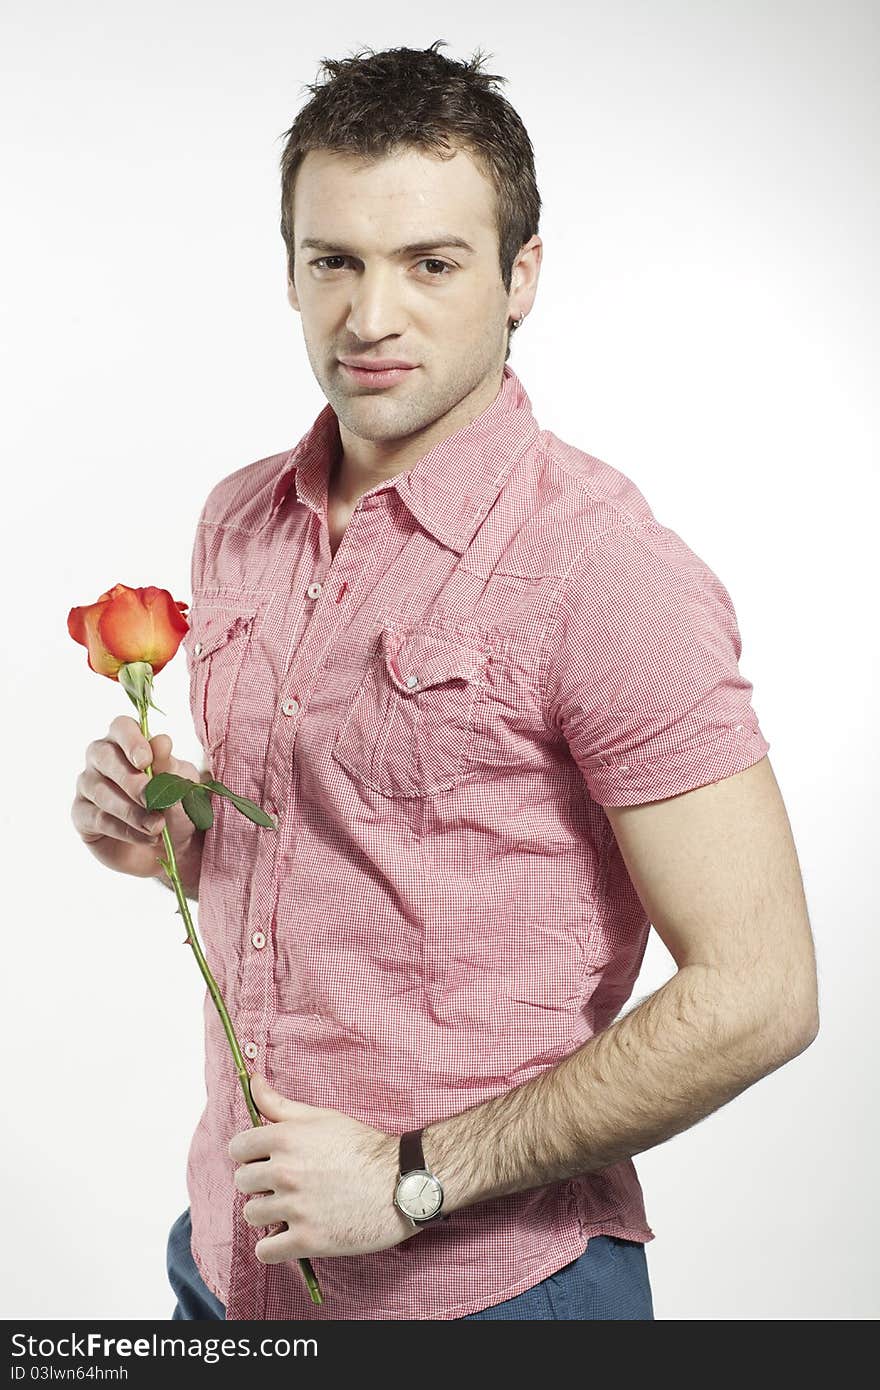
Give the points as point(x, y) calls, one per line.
point(445, 269)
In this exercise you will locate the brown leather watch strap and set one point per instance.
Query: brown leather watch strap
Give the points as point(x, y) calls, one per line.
point(412, 1156)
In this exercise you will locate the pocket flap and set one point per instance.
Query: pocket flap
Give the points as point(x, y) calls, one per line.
point(416, 660)
point(212, 628)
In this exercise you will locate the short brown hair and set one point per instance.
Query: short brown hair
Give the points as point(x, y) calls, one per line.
point(373, 104)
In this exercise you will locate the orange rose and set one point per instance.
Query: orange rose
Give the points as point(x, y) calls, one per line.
point(128, 625)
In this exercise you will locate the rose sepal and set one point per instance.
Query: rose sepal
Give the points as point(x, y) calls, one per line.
point(136, 679)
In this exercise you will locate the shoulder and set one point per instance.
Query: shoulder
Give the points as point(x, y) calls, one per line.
point(242, 499)
point(559, 504)
point(603, 525)
point(588, 486)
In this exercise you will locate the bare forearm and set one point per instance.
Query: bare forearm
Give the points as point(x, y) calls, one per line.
point(682, 1053)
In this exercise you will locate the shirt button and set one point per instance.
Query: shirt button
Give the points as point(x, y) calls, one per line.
point(290, 706)
point(250, 1049)
point(198, 648)
point(258, 940)
point(412, 682)
point(314, 590)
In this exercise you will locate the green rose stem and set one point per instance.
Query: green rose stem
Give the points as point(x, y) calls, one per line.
point(192, 940)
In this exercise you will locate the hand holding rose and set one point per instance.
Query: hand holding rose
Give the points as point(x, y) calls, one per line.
point(329, 1177)
point(109, 809)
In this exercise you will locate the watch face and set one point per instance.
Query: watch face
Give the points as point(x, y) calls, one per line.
point(420, 1195)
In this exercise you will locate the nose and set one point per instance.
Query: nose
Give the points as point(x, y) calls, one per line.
point(376, 310)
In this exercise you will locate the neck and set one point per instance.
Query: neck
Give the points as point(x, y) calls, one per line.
point(364, 463)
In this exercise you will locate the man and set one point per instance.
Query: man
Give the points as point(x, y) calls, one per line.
point(496, 708)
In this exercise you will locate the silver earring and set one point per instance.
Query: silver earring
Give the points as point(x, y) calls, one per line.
point(516, 323)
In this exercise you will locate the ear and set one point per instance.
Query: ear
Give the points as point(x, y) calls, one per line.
point(524, 276)
point(292, 299)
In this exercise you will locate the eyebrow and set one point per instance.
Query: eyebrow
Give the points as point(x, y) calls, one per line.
point(431, 244)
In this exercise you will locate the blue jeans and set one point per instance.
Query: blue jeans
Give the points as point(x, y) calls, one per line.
point(609, 1281)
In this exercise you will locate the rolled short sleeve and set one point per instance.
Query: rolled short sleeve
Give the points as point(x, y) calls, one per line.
point(641, 671)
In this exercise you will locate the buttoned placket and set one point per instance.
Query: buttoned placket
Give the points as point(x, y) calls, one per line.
point(357, 560)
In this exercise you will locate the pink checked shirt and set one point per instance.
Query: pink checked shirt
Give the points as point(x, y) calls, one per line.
point(505, 642)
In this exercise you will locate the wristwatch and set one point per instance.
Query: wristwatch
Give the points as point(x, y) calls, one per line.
point(419, 1193)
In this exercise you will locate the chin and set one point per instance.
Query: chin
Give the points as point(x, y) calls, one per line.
point(371, 417)
point(374, 429)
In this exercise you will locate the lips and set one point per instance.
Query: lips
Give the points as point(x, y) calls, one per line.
point(376, 364)
point(375, 376)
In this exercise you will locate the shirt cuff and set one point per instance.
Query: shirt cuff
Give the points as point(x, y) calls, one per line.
point(631, 784)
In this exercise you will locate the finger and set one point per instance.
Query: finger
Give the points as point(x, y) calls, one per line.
point(111, 799)
point(160, 745)
point(274, 1250)
point(95, 824)
point(130, 756)
point(254, 1176)
point(258, 1142)
point(125, 732)
point(138, 751)
point(264, 1211)
point(123, 788)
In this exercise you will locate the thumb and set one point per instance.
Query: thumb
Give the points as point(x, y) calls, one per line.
point(268, 1101)
point(161, 746)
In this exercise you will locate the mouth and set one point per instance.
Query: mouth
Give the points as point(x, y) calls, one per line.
point(376, 376)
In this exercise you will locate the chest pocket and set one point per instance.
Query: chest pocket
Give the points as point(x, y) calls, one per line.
point(215, 645)
point(411, 721)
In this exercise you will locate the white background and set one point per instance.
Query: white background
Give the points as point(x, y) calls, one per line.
point(705, 322)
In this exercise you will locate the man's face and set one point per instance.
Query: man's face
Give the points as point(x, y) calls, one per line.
point(442, 308)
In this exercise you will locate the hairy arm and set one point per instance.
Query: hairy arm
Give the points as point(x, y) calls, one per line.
point(717, 872)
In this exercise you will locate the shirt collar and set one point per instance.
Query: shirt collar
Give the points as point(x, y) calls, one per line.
point(451, 488)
